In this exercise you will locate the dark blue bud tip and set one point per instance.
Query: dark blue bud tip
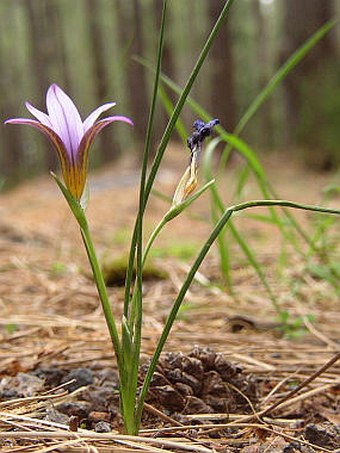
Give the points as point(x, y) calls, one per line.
point(201, 131)
point(198, 125)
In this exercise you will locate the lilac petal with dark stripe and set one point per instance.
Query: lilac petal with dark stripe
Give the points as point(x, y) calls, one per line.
point(41, 116)
point(68, 134)
point(65, 119)
point(91, 133)
point(92, 118)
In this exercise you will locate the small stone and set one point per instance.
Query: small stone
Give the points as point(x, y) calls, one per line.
point(52, 376)
point(102, 427)
point(73, 423)
point(323, 435)
point(79, 410)
point(22, 385)
point(96, 417)
point(102, 399)
point(55, 416)
point(82, 376)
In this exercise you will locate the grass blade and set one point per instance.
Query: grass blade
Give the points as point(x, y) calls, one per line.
point(200, 257)
point(137, 233)
point(283, 71)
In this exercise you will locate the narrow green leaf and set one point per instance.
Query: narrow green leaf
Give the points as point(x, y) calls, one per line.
point(284, 70)
point(194, 268)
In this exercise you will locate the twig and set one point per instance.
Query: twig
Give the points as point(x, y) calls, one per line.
point(303, 384)
point(89, 436)
point(31, 399)
point(61, 386)
point(278, 386)
point(330, 343)
point(161, 415)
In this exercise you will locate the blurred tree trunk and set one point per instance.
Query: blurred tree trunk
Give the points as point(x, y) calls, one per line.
point(265, 126)
point(129, 14)
point(305, 87)
point(167, 66)
point(222, 80)
point(100, 82)
point(167, 61)
point(42, 31)
point(10, 140)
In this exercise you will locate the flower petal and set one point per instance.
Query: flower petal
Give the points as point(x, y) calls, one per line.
point(54, 139)
point(41, 116)
point(94, 130)
point(65, 119)
point(92, 118)
point(83, 150)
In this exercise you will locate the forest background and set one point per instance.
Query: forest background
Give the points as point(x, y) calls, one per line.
point(88, 47)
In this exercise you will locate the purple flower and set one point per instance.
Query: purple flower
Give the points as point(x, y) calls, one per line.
point(70, 136)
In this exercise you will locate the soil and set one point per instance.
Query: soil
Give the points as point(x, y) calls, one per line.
point(226, 361)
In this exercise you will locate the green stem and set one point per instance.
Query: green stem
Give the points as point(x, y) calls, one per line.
point(136, 241)
point(165, 139)
point(191, 274)
point(152, 238)
point(99, 280)
point(79, 215)
point(288, 204)
point(134, 318)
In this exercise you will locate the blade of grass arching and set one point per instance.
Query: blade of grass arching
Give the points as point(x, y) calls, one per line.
point(283, 71)
point(136, 241)
point(194, 268)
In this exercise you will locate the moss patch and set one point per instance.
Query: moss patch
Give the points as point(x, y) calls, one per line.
point(114, 270)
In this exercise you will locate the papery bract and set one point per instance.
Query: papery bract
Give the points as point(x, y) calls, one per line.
point(70, 136)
